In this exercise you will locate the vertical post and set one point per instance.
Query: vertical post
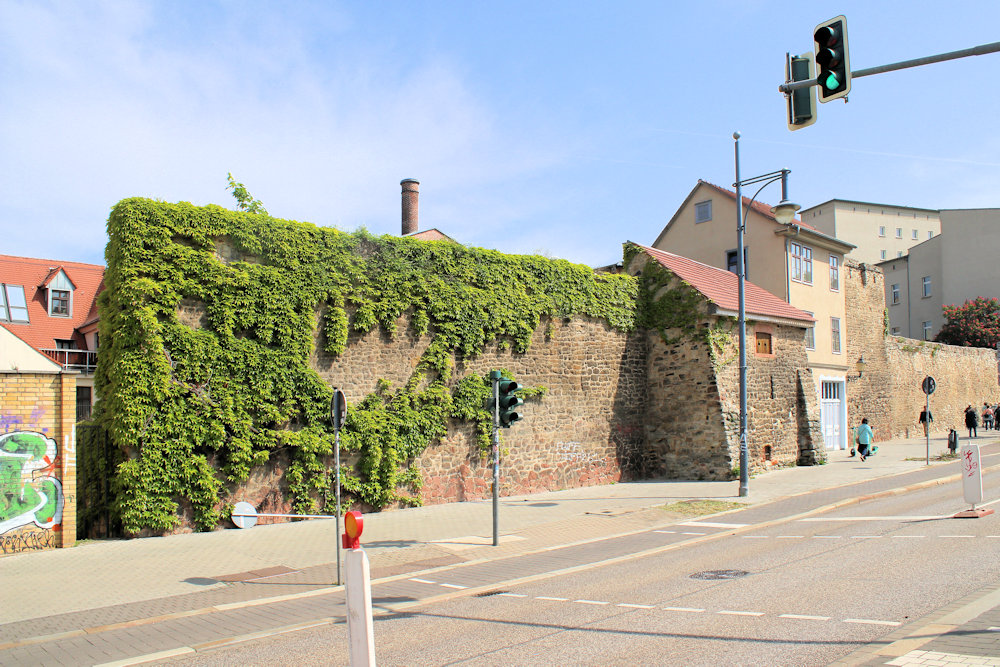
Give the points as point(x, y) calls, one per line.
point(338, 414)
point(927, 425)
point(336, 436)
point(360, 626)
point(495, 378)
point(741, 279)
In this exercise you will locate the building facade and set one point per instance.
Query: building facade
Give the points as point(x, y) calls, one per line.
point(797, 262)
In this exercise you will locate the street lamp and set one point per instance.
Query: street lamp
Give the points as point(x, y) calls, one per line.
point(784, 213)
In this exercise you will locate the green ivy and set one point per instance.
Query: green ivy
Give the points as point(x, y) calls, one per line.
point(666, 303)
point(196, 409)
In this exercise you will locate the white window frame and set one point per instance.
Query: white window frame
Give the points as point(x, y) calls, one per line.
point(899, 232)
point(925, 286)
point(835, 335)
point(881, 231)
point(834, 273)
point(69, 303)
point(927, 330)
point(894, 294)
point(883, 254)
point(810, 334)
point(701, 209)
point(930, 235)
point(7, 310)
point(801, 263)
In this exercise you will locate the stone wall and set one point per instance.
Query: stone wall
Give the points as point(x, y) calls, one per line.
point(888, 391)
point(586, 430)
point(37, 445)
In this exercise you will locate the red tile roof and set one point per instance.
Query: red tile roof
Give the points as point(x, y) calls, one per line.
point(41, 331)
point(722, 287)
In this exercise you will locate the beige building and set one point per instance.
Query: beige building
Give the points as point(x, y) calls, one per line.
point(953, 267)
point(796, 262)
point(879, 231)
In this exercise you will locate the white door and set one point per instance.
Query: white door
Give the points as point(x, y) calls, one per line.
point(830, 414)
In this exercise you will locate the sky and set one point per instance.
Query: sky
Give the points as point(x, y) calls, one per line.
point(553, 128)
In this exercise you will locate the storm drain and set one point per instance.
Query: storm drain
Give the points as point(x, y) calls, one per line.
point(719, 574)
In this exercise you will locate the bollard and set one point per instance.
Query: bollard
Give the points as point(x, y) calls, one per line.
point(357, 585)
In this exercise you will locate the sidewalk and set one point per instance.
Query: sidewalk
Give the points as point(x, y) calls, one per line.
point(116, 582)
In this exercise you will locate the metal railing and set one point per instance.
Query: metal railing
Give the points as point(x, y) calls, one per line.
point(84, 361)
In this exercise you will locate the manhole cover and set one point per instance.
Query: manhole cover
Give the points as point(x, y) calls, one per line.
point(720, 574)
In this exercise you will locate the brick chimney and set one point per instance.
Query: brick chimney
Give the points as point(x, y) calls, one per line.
point(411, 195)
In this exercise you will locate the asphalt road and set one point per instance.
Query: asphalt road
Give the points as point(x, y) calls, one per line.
point(796, 592)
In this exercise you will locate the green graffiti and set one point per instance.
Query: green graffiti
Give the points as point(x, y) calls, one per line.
point(29, 492)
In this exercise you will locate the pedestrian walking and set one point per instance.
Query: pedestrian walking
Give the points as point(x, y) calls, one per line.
point(864, 439)
point(926, 418)
point(987, 417)
point(971, 421)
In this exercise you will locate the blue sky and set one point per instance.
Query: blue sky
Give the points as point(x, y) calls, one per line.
point(558, 128)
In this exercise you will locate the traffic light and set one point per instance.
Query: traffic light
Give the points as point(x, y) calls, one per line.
point(508, 402)
point(832, 61)
point(802, 102)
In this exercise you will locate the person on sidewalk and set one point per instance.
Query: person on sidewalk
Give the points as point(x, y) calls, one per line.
point(865, 438)
point(987, 417)
point(971, 421)
point(926, 418)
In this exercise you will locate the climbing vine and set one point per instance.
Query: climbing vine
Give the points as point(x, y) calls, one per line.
point(209, 320)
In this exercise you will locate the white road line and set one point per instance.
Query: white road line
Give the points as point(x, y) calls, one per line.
point(425, 581)
point(668, 532)
point(728, 612)
point(692, 533)
point(512, 595)
point(591, 602)
point(689, 609)
point(958, 536)
point(874, 518)
point(545, 597)
point(805, 618)
point(635, 606)
point(993, 629)
point(455, 586)
point(756, 537)
point(869, 621)
point(866, 537)
point(713, 524)
point(827, 537)
point(909, 536)
point(790, 537)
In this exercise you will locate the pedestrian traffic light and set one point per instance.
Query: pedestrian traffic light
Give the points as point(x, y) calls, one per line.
point(508, 402)
point(834, 76)
point(802, 102)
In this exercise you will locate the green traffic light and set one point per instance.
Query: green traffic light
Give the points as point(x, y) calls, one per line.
point(831, 83)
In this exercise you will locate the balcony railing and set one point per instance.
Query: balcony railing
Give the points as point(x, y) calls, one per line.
point(84, 361)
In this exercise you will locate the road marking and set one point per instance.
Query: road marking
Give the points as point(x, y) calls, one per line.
point(713, 524)
point(869, 621)
point(591, 602)
point(545, 597)
point(866, 537)
point(455, 586)
point(874, 518)
point(993, 629)
point(909, 536)
point(635, 606)
point(728, 612)
point(827, 537)
point(512, 595)
point(668, 532)
point(689, 609)
point(958, 536)
point(755, 537)
point(790, 537)
point(692, 533)
point(425, 581)
point(805, 618)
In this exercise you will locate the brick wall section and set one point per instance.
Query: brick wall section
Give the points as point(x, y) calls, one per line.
point(889, 392)
point(46, 404)
point(586, 430)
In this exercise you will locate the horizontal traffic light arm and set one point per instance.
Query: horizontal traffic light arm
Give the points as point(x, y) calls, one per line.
point(980, 50)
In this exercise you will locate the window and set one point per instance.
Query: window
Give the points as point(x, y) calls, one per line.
point(914, 235)
point(883, 254)
point(927, 330)
point(895, 293)
point(13, 306)
point(731, 262)
point(899, 253)
point(65, 344)
point(881, 231)
point(703, 211)
point(895, 331)
point(835, 334)
point(930, 235)
point(926, 285)
point(59, 302)
point(802, 263)
point(810, 336)
point(899, 232)
point(834, 273)
point(763, 343)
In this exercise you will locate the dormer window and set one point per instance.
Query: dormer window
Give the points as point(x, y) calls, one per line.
point(60, 294)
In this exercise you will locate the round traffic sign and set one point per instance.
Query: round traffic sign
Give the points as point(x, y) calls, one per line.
point(244, 515)
point(928, 385)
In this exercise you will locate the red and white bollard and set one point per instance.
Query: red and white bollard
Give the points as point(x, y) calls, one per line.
point(357, 584)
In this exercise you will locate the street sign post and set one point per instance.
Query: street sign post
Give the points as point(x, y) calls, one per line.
point(338, 415)
point(928, 385)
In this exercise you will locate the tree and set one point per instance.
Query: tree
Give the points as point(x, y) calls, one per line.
point(244, 200)
point(976, 323)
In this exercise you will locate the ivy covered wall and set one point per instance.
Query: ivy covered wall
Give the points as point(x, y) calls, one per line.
point(213, 323)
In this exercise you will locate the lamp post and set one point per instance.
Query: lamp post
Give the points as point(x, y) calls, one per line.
point(784, 213)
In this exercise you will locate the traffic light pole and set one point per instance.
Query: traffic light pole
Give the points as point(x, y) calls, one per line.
point(495, 378)
point(980, 50)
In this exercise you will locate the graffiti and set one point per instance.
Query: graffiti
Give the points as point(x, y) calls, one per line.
point(27, 540)
point(29, 490)
point(573, 452)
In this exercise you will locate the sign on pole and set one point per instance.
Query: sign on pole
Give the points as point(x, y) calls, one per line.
point(338, 415)
point(928, 385)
